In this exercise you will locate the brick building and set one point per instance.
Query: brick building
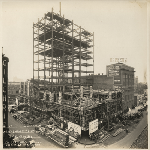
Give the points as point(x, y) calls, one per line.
point(124, 80)
point(100, 82)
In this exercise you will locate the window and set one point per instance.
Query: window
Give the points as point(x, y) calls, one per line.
point(124, 76)
point(116, 81)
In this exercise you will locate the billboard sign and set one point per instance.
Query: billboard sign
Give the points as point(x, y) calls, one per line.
point(76, 127)
point(119, 60)
point(93, 126)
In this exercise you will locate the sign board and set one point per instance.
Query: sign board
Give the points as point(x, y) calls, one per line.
point(93, 126)
point(119, 60)
point(76, 127)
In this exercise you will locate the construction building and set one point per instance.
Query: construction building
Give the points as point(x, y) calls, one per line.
point(124, 80)
point(62, 53)
point(81, 108)
point(63, 58)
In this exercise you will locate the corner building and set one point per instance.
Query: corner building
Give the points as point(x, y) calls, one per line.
point(124, 80)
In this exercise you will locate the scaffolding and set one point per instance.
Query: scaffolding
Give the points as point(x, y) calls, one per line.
point(63, 52)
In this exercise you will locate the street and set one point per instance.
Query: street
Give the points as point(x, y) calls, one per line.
point(131, 137)
point(21, 131)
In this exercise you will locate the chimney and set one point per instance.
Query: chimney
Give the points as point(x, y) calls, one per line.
point(102, 73)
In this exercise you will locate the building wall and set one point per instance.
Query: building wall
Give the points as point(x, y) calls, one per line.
point(136, 84)
point(145, 91)
point(135, 100)
point(13, 88)
point(5, 61)
point(102, 82)
point(123, 79)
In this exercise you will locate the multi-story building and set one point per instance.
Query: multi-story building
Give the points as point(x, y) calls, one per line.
point(124, 80)
point(13, 88)
point(5, 61)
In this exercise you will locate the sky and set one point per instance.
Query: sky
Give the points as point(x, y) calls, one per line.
point(120, 31)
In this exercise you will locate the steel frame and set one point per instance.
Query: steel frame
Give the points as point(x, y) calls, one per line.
point(62, 51)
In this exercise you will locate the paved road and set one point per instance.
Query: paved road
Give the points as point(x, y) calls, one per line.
point(131, 137)
point(22, 131)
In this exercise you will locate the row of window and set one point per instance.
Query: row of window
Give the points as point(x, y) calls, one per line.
point(129, 97)
point(13, 92)
point(128, 82)
point(128, 76)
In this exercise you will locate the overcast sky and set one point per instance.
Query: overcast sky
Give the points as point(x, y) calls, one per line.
point(120, 30)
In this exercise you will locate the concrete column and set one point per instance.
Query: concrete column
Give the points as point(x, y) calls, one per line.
point(60, 97)
point(91, 91)
point(81, 91)
point(50, 97)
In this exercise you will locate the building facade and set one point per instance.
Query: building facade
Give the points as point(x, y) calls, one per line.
point(100, 82)
point(136, 84)
point(13, 88)
point(5, 61)
point(124, 80)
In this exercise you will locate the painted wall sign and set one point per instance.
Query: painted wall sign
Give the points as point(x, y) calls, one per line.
point(93, 126)
point(121, 60)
